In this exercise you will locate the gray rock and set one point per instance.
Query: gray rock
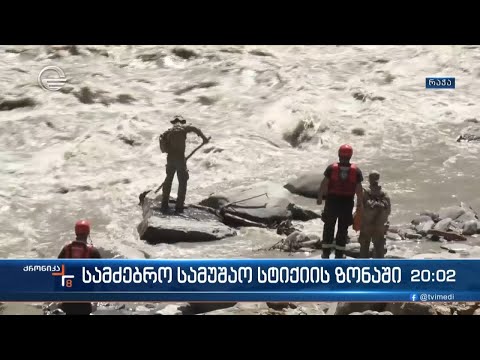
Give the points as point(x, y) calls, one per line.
point(272, 206)
point(352, 250)
point(449, 236)
point(432, 215)
point(142, 308)
point(421, 219)
point(11, 104)
point(281, 305)
point(58, 312)
point(413, 308)
point(409, 234)
point(184, 53)
point(300, 214)
point(393, 236)
point(110, 311)
point(469, 215)
point(194, 225)
point(452, 212)
point(470, 227)
point(344, 308)
point(394, 229)
point(170, 309)
point(202, 307)
point(443, 224)
point(443, 310)
point(424, 227)
point(412, 235)
point(306, 184)
point(456, 248)
point(370, 312)
point(254, 307)
point(433, 237)
point(466, 308)
point(471, 133)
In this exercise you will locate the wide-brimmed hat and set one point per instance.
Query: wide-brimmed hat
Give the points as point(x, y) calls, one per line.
point(374, 176)
point(178, 119)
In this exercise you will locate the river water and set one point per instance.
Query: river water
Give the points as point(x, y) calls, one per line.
point(247, 98)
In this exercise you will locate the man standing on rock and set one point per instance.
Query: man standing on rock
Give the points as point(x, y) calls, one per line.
point(376, 210)
point(173, 142)
point(342, 181)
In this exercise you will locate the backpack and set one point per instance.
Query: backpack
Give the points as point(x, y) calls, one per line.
point(164, 142)
point(171, 138)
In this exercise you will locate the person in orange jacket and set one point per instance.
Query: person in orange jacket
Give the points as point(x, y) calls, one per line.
point(342, 181)
point(79, 249)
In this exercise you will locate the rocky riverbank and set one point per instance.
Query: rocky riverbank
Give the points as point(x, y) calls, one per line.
point(448, 226)
point(413, 308)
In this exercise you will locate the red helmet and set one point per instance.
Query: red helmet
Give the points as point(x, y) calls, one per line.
point(345, 151)
point(82, 227)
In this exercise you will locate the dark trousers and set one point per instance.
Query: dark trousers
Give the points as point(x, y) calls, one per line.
point(179, 166)
point(337, 209)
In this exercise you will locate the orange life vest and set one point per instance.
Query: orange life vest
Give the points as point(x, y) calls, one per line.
point(340, 187)
point(78, 250)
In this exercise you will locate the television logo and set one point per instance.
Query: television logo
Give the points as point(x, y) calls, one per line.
point(54, 83)
point(66, 279)
point(413, 297)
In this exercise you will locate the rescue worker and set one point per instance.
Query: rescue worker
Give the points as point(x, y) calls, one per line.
point(173, 142)
point(342, 181)
point(79, 249)
point(376, 210)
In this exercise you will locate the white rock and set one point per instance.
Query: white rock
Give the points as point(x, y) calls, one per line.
point(170, 310)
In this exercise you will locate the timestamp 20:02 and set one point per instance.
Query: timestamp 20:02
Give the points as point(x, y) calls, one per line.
point(432, 276)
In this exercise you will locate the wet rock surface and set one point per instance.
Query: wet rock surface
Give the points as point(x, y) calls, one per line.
point(306, 184)
point(193, 225)
point(265, 203)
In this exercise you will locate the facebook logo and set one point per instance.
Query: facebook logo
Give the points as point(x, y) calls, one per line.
point(413, 297)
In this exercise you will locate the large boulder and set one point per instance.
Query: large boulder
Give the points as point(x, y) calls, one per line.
point(443, 224)
point(421, 219)
point(449, 236)
point(470, 227)
point(194, 225)
point(468, 216)
point(265, 203)
point(413, 308)
point(306, 184)
point(470, 134)
point(205, 307)
point(424, 227)
point(370, 312)
point(345, 308)
point(452, 212)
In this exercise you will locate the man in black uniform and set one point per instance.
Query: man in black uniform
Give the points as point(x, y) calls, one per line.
point(342, 181)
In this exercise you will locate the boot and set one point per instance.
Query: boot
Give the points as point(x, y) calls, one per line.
point(339, 254)
point(179, 209)
point(326, 254)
